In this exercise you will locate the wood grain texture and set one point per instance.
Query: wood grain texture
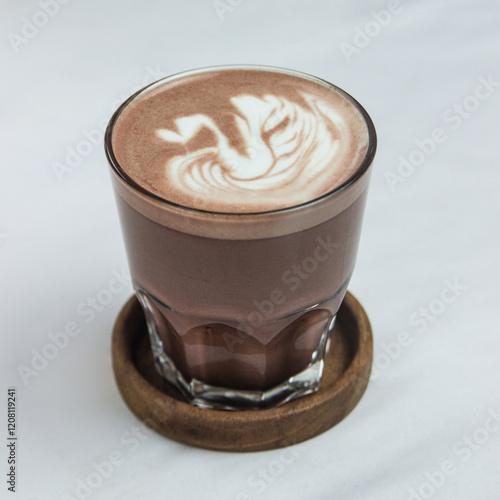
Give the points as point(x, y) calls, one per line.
point(155, 402)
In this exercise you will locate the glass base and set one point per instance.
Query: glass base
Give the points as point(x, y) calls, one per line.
point(204, 395)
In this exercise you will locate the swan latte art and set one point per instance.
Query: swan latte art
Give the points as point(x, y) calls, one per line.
point(240, 140)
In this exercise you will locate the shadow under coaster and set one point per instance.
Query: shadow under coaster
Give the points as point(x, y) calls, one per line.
point(160, 406)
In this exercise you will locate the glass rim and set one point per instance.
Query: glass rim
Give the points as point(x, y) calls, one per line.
point(357, 174)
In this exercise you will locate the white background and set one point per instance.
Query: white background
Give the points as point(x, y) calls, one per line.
point(60, 244)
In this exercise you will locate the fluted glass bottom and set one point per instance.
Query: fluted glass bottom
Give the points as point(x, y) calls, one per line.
point(216, 365)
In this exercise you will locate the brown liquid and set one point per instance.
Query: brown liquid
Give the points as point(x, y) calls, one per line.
point(239, 300)
point(235, 315)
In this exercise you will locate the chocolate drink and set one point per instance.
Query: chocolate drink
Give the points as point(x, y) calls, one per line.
point(241, 193)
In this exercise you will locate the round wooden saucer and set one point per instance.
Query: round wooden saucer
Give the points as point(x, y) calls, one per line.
point(154, 401)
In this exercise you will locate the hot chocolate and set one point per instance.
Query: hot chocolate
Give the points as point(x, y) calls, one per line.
point(241, 193)
point(240, 141)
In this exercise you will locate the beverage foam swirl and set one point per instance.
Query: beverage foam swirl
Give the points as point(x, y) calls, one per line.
point(241, 141)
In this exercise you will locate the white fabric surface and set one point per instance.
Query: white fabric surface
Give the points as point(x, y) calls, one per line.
point(61, 243)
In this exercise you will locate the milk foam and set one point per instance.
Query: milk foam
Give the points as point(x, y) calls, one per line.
point(266, 147)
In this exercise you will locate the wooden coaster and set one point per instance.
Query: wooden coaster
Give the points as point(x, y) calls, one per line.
point(160, 406)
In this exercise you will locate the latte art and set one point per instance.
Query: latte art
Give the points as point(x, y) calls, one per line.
point(284, 146)
point(241, 141)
